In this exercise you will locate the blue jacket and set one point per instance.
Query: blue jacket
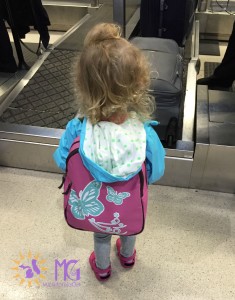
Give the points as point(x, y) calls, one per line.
point(155, 153)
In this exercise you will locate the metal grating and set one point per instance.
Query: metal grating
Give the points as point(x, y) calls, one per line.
point(209, 68)
point(48, 99)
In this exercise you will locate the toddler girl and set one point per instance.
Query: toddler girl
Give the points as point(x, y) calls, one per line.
point(114, 111)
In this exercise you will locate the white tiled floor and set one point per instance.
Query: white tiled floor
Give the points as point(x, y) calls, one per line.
point(186, 252)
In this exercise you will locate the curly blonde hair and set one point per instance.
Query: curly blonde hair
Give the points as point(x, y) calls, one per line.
point(112, 76)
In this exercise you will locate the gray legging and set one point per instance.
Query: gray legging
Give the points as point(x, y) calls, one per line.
point(103, 244)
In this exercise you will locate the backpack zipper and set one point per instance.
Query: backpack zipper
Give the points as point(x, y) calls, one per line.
point(67, 160)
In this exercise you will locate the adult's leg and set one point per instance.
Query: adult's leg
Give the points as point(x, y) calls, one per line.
point(224, 74)
point(226, 70)
point(7, 61)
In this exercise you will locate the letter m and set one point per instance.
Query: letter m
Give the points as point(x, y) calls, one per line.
point(58, 264)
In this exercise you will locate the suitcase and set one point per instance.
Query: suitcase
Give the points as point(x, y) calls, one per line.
point(165, 59)
point(171, 19)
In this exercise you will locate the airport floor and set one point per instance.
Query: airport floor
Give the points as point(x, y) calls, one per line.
point(187, 250)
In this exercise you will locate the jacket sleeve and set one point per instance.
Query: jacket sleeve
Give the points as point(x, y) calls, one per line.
point(155, 154)
point(73, 130)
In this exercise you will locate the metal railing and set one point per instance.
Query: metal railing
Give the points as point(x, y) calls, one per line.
point(72, 3)
point(190, 95)
point(126, 14)
point(119, 14)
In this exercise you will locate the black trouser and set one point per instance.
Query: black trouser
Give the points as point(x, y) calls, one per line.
point(226, 70)
point(7, 60)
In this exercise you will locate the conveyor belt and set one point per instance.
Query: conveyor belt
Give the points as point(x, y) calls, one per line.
point(48, 99)
point(209, 68)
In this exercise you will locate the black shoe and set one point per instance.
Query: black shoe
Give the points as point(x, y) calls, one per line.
point(213, 81)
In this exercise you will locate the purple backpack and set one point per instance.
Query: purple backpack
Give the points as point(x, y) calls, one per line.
point(111, 208)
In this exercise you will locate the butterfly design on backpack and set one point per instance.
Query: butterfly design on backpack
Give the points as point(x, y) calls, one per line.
point(87, 204)
point(115, 197)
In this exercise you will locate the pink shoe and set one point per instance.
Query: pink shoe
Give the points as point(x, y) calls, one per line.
point(126, 262)
point(98, 271)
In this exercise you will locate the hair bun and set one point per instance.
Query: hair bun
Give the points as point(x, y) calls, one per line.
point(102, 32)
